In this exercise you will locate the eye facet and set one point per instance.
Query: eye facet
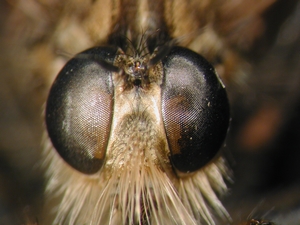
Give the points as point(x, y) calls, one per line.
point(79, 109)
point(80, 106)
point(195, 109)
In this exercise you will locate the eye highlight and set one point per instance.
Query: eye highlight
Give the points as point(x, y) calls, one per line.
point(79, 109)
point(80, 106)
point(195, 109)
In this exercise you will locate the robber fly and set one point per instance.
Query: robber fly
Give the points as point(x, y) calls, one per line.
point(135, 102)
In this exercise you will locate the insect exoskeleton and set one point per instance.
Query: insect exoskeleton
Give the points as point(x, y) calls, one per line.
point(142, 131)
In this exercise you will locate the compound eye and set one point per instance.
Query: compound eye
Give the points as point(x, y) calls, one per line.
point(79, 109)
point(195, 109)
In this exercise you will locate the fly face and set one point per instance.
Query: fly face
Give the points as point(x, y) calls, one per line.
point(134, 126)
point(141, 134)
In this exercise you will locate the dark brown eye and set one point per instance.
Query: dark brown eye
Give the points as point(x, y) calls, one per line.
point(79, 109)
point(195, 109)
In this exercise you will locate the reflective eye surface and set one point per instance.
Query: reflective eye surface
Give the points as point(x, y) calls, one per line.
point(80, 106)
point(195, 109)
point(79, 109)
